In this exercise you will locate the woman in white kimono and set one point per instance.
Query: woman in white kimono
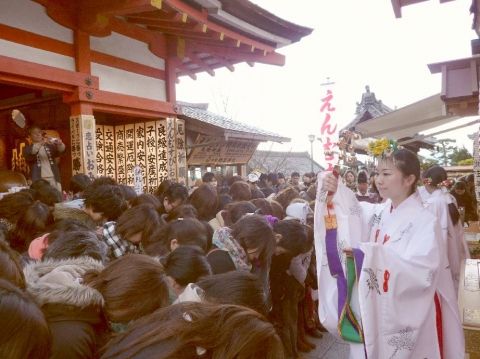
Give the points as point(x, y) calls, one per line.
point(442, 204)
point(406, 300)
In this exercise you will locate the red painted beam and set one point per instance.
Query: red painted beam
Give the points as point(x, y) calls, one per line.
point(44, 76)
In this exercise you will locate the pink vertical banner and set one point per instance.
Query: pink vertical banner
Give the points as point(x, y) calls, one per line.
point(328, 129)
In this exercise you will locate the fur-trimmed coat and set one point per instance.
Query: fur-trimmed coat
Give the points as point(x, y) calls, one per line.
point(73, 310)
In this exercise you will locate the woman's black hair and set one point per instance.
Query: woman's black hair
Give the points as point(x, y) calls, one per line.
point(408, 163)
point(187, 264)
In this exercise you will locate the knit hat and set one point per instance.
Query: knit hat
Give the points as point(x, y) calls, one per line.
point(299, 211)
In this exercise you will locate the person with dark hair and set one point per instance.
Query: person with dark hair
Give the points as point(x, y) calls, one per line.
point(77, 244)
point(224, 202)
point(257, 193)
point(237, 210)
point(240, 191)
point(363, 194)
point(436, 198)
point(33, 223)
point(129, 194)
point(278, 210)
point(210, 179)
point(194, 330)
point(185, 265)
point(24, 332)
point(162, 188)
point(184, 231)
point(78, 183)
point(235, 287)
point(11, 207)
point(286, 196)
point(49, 195)
point(146, 198)
point(464, 200)
point(73, 310)
point(350, 179)
point(307, 181)
point(271, 183)
point(295, 179)
point(173, 197)
point(132, 231)
point(401, 263)
point(249, 240)
point(281, 184)
point(234, 179)
point(470, 180)
point(39, 183)
point(99, 204)
point(285, 288)
point(11, 267)
point(263, 205)
point(41, 156)
point(132, 287)
point(204, 199)
point(183, 211)
point(262, 178)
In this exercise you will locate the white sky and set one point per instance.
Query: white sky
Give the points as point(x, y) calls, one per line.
point(354, 43)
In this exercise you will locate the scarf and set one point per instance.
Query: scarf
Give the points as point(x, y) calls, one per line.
point(223, 239)
point(352, 186)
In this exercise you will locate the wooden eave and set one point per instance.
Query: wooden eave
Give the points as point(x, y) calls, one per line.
point(181, 31)
point(398, 4)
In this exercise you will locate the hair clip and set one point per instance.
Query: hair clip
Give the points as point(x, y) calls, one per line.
point(179, 219)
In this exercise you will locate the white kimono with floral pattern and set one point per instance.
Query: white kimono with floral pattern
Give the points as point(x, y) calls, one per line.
point(453, 235)
point(405, 264)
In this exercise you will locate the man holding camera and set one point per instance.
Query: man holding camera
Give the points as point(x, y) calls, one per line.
point(41, 154)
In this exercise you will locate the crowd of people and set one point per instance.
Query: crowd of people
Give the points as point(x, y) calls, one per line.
point(216, 271)
point(232, 269)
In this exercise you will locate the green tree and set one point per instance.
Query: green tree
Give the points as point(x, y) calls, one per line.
point(459, 155)
point(442, 150)
point(467, 162)
point(427, 163)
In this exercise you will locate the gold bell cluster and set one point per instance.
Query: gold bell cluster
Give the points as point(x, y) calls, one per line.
point(346, 151)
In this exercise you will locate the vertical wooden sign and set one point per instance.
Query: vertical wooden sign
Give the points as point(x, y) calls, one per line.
point(110, 165)
point(161, 127)
point(88, 142)
point(181, 151)
point(129, 152)
point(76, 150)
point(151, 156)
point(120, 154)
point(171, 160)
point(100, 144)
point(140, 154)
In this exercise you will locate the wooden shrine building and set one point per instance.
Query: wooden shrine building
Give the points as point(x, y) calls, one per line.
point(373, 119)
point(103, 75)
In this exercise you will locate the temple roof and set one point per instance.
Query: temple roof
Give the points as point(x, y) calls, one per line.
point(369, 107)
point(198, 35)
point(224, 126)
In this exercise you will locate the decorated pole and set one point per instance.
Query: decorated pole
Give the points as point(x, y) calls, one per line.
point(337, 274)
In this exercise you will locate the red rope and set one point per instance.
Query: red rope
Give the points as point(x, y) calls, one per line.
point(438, 311)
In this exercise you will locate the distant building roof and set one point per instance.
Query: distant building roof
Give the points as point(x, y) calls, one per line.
point(284, 161)
point(370, 108)
point(367, 109)
point(226, 126)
